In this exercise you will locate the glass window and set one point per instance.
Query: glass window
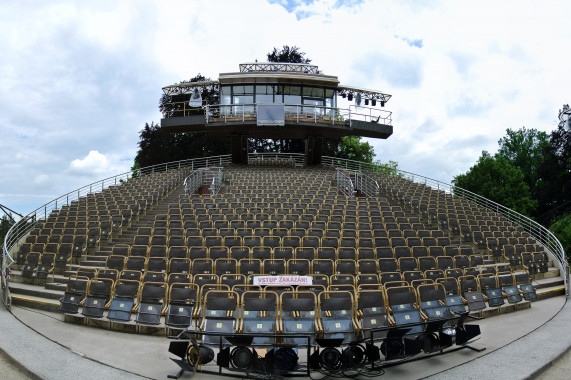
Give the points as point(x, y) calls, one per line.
point(225, 90)
point(292, 90)
point(264, 98)
point(292, 99)
point(238, 90)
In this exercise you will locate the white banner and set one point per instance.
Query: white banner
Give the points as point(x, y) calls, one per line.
point(283, 280)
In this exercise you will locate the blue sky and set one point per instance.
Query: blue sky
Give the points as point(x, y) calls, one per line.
point(79, 80)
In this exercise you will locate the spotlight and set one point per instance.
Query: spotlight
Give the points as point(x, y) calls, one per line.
point(199, 354)
point(343, 95)
point(330, 358)
point(350, 97)
point(465, 333)
point(382, 103)
point(283, 358)
point(191, 355)
point(366, 102)
point(241, 357)
point(373, 102)
point(373, 352)
point(352, 356)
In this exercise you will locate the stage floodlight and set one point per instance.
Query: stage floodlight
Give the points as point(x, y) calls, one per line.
point(343, 95)
point(199, 354)
point(382, 103)
point(352, 356)
point(350, 97)
point(372, 352)
point(392, 348)
point(366, 102)
point(330, 358)
point(373, 102)
point(465, 333)
point(241, 357)
point(285, 358)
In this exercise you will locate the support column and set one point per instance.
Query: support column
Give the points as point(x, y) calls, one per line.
point(239, 149)
point(313, 150)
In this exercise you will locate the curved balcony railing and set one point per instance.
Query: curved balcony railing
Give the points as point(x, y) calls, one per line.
point(23, 226)
point(293, 112)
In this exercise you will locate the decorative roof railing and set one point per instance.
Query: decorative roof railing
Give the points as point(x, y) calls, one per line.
point(279, 67)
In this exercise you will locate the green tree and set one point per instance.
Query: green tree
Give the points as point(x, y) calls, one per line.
point(497, 179)
point(352, 148)
point(562, 230)
point(554, 196)
point(524, 149)
point(5, 223)
point(288, 54)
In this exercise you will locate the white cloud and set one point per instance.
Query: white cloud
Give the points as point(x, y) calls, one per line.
point(94, 164)
point(79, 77)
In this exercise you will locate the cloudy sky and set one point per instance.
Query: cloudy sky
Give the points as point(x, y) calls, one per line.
point(79, 80)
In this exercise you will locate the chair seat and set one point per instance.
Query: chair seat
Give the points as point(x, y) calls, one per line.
point(120, 309)
point(93, 307)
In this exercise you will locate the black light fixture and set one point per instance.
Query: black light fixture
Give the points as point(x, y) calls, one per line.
point(343, 95)
point(366, 102)
point(282, 359)
point(382, 103)
point(373, 102)
point(352, 356)
point(241, 357)
point(191, 355)
point(330, 358)
point(350, 97)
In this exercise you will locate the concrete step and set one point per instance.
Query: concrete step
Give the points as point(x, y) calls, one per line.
point(34, 302)
point(36, 291)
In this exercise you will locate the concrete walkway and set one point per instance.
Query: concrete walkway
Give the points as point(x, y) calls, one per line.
point(525, 358)
point(40, 358)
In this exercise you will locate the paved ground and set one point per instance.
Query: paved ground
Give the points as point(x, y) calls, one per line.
point(147, 355)
point(10, 370)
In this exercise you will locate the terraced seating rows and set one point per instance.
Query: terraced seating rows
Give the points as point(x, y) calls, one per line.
point(273, 220)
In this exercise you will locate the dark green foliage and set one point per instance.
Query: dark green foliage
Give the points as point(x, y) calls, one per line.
point(562, 230)
point(555, 171)
point(5, 223)
point(497, 179)
point(524, 149)
point(157, 146)
point(288, 54)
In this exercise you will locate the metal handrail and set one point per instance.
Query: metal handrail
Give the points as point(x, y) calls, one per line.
point(349, 182)
point(297, 112)
point(344, 182)
point(201, 176)
point(25, 224)
point(539, 232)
